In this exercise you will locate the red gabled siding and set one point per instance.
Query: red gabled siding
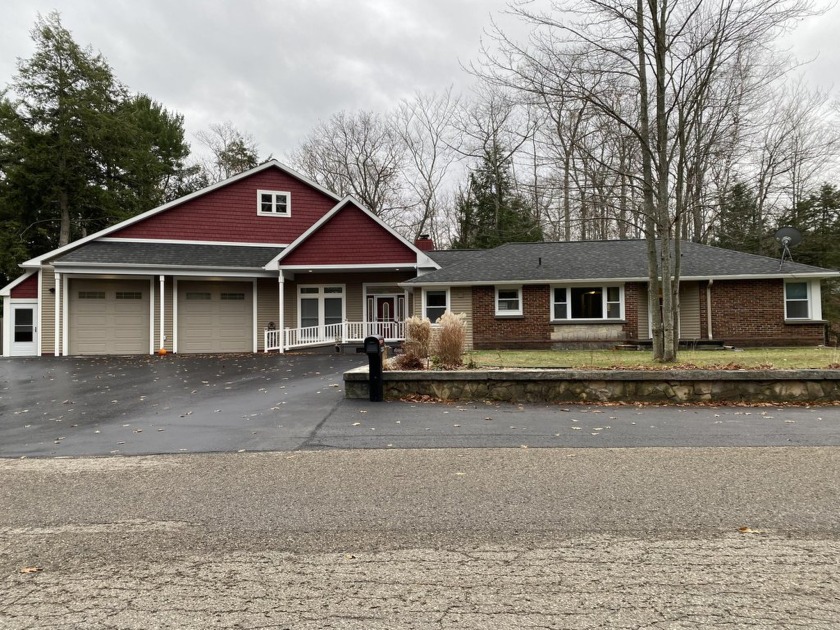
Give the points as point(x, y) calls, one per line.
point(27, 289)
point(350, 237)
point(229, 213)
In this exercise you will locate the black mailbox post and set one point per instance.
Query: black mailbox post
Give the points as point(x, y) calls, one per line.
point(375, 349)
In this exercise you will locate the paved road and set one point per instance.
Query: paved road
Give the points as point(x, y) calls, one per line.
point(360, 518)
point(445, 538)
point(144, 405)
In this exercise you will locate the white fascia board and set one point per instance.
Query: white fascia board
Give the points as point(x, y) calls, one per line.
point(7, 290)
point(167, 241)
point(423, 260)
point(567, 281)
point(35, 262)
point(774, 276)
point(350, 268)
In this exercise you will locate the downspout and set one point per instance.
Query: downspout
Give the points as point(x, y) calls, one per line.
point(709, 306)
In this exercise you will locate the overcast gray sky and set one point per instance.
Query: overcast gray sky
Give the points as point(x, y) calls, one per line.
point(274, 67)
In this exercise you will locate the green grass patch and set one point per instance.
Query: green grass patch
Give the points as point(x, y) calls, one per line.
point(751, 358)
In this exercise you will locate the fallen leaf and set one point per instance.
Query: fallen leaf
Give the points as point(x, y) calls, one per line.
point(749, 530)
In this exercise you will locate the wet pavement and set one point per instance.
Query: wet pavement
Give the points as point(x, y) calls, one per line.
point(170, 404)
point(103, 406)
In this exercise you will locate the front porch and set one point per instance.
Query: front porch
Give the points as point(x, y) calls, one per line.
point(329, 334)
point(332, 308)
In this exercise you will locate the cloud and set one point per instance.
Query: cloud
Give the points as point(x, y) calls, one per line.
point(274, 68)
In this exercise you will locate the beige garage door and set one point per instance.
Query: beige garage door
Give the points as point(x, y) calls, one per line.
point(108, 317)
point(215, 317)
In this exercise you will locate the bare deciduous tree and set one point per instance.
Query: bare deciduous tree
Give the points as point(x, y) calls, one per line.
point(231, 151)
point(423, 124)
point(669, 56)
point(357, 154)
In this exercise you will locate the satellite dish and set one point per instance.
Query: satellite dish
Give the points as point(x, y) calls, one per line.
point(787, 237)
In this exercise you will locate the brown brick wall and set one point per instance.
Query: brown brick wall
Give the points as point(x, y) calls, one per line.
point(633, 292)
point(530, 330)
point(752, 312)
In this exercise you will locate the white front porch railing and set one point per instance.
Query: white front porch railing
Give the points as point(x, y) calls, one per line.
point(345, 332)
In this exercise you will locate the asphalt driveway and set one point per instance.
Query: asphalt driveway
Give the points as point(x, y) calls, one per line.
point(67, 406)
point(149, 404)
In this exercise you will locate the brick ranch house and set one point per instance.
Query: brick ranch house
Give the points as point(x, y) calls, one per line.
point(270, 260)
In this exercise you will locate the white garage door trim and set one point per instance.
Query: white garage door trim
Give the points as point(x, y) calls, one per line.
point(177, 309)
point(66, 298)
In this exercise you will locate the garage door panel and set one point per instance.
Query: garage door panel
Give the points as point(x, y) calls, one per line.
point(108, 316)
point(215, 317)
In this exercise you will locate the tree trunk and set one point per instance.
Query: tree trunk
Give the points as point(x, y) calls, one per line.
point(64, 230)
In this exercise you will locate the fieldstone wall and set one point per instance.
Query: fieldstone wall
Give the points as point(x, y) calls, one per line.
point(677, 386)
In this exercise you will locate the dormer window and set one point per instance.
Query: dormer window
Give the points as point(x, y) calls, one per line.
point(271, 203)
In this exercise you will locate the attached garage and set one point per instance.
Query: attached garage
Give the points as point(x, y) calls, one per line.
point(215, 317)
point(109, 316)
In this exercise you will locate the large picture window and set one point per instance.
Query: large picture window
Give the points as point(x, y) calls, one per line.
point(587, 302)
point(435, 303)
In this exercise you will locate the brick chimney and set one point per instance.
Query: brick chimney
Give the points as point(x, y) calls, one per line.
point(424, 243)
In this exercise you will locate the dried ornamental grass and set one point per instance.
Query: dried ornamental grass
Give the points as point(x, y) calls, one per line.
point(418, 336)
point(451, 340)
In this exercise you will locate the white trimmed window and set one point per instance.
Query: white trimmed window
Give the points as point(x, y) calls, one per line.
point(587, 303)
point(271, 203)
point(320, 305)
point(797, 302)
point(508, 301)
point(435, 303)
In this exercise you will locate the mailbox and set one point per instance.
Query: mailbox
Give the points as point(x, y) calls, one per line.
point(375, 349)
point(374, 344)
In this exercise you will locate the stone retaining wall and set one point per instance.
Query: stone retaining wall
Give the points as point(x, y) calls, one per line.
point(672, 386)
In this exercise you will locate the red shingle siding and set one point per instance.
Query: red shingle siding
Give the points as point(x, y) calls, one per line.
point(752, 312)
point(229, 213)
point(530, 330)
point(350, 237)
point(27, 289)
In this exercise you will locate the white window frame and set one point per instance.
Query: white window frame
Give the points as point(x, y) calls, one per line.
point(435, 290)
point(813, 299)
point(604, 303)
point(273, 212)
point(509, 312)
point(320, 296)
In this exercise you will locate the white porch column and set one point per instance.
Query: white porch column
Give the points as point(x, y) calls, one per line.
point(57, 349)
point(162, 310)
point(281, 312)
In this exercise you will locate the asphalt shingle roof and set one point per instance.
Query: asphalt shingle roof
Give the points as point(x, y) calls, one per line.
point(447, 257)
point(590, 260)
point(171, 254)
